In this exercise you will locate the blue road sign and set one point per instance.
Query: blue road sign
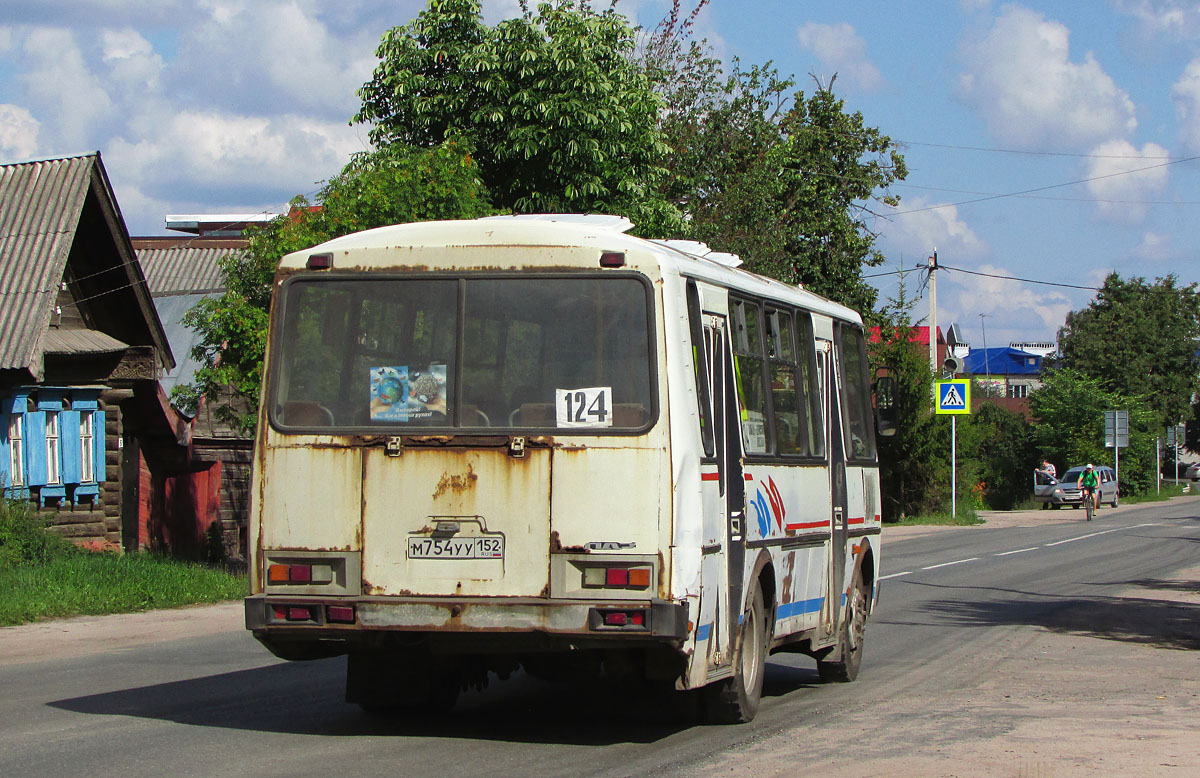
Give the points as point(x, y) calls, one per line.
point(954, 396)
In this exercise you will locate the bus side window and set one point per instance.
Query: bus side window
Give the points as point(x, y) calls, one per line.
point(856, 397)
point(808, 381)
point(702, 369)
point(749, 366)
point(785, 399)
point(794, 394)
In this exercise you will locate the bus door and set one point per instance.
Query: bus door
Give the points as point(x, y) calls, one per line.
point(830, 396)
point(724, 494)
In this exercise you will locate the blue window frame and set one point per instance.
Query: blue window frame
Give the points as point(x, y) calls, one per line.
point(45, 446)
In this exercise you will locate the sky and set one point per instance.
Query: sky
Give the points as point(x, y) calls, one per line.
point(1051, 142)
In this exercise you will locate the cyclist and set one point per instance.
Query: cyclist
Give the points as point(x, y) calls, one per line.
point(1088, 483)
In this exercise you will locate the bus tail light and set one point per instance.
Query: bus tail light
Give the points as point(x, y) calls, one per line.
point(633, 620)
point(340, 614)
point(617, 576)
point(293, 613)
point(299, 574)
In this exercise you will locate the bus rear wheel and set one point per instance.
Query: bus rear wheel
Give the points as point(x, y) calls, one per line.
point(850, 639)
point(735, 700)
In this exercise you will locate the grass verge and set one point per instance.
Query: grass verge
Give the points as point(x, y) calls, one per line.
point(43, 576)
point(1169, 489)
point(83, 583)
point(964, 518)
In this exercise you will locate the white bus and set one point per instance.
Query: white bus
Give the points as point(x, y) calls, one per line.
point(544, 443)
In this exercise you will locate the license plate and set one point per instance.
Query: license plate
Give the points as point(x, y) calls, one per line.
point(486, 547)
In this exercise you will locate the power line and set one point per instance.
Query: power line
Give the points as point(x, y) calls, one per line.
point(985, 275)
point(1028, 153)
point(1053, 199)
point(1016, 278)
point(1043, 188)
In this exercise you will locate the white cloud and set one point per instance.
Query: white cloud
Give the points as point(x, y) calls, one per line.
point(1014, 310)
point(1021, 79)
point(271, 56)
point(1186, 94)
point(916, 229)
point(211, 151)
point(1119, 190)
point(1154, 247)
point(18, 133)
point(1172, 18)
point(62, 91)
point(840, 50)
point(133, 66)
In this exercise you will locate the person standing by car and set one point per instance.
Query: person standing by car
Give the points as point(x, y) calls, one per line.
point(1048, 469)
point(1088, 483)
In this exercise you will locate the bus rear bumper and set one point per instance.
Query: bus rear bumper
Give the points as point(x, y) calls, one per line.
point(342, 617)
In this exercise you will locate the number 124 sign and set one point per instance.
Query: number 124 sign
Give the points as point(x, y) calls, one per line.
point(590, 407)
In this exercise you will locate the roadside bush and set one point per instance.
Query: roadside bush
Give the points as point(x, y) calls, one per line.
point(25, 538)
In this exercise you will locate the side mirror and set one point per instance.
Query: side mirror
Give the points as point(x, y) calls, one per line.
point(887, 413)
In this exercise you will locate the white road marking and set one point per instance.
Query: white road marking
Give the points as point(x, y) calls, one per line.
point(1097, 534)
point(895, 575)
point(1018, 551)
point(947, 564)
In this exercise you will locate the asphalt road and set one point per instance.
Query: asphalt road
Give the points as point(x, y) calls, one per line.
point(959, 611)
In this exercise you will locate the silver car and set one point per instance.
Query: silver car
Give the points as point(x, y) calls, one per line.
point(1057, 492)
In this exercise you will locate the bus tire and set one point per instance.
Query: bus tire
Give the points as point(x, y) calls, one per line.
point(735, 700)
point(850, 638)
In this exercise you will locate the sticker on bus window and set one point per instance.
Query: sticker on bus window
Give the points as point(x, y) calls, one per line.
point(590, 407)
point(408, 394)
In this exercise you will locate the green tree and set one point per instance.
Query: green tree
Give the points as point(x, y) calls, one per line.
point(999, 447)
point(915, 460)
point(390, 186)
point(1070, 432)
point(559, 116)
point(1139, 340)
point(783, 180)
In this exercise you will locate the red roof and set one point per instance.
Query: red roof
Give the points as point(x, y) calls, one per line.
point(916, 335)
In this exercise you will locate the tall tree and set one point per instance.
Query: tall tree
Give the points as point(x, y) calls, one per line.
point(390, 186)
point(558, 115)
point(1139, 340)
point(1070, 430)
point(785, 180)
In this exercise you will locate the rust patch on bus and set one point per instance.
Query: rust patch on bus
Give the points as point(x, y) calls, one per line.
point(556, 546)
point(456, 483)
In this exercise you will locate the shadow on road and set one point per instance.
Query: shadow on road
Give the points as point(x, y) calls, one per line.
point(306, 698)
point(1153, 622)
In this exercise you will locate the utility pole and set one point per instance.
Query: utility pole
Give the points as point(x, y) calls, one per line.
point(987, 368)
point(933, 360)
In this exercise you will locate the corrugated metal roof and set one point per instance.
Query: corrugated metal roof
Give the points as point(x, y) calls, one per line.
point(183, 270)
point(57, 341)
point(171, 309)
point(1002, 360)
point(40, 205)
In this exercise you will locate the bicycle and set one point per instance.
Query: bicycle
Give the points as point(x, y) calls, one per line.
point(1089, 502)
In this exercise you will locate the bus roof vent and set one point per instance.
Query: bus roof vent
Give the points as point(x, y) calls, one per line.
point(701, 251)
point(595, 220)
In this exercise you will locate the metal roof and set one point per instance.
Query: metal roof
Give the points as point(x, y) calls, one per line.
point(41, 205)
point(57, 341)
point(171, 309)
point(183, 269)
point(1002, 360)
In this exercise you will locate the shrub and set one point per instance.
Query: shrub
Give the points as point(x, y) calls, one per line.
point(25, 538)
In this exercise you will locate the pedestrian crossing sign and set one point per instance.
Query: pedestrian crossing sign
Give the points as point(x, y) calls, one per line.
point(954, 396)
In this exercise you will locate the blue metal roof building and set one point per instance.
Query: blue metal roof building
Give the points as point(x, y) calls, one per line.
point(1002, 361)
